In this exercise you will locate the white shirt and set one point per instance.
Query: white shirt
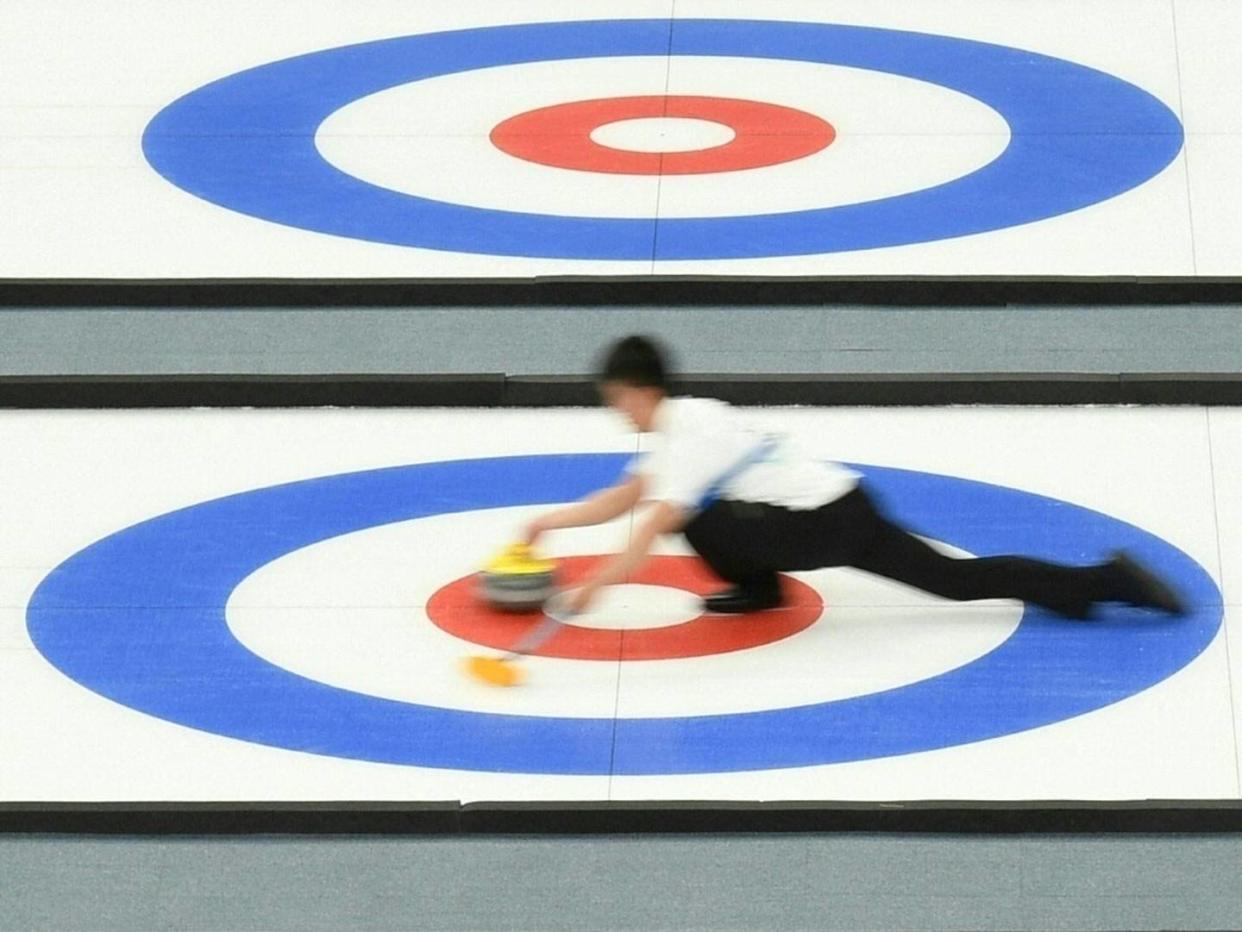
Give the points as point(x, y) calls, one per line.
point(700, 451)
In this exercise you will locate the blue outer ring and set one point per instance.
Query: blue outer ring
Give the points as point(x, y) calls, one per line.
point(138, 617)
point(246, 142)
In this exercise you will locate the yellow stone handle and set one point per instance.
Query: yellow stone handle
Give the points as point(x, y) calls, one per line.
point(519, 558)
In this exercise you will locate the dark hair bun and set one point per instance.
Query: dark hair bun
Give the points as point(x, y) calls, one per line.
point(637, 361)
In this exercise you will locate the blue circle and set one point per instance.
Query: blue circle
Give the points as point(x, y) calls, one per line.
point(1078, 136)
point(139, 617)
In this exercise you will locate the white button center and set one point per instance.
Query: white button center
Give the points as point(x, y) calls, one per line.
point(662, 134)
point(632, 606)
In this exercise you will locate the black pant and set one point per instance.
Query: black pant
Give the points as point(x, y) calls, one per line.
point(747, 544)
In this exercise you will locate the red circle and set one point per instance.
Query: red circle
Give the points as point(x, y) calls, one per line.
point(457, 609)
point(560, 136)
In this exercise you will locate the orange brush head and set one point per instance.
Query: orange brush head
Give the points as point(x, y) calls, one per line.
point(495, 671)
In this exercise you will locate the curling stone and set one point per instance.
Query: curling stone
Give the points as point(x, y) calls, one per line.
point(517, 581)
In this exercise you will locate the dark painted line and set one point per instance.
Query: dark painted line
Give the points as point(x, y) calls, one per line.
point(644, 290)
point(577, 818)
point(261, 391)
point(533, 391)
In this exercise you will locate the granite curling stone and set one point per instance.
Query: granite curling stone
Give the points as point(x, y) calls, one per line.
point(517, 581)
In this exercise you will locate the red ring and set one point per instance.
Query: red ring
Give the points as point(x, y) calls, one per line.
point(458, 610)
point(560, 136)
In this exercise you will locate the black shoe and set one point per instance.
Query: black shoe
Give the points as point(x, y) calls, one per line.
point(1141, 587)
point(739, 599)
